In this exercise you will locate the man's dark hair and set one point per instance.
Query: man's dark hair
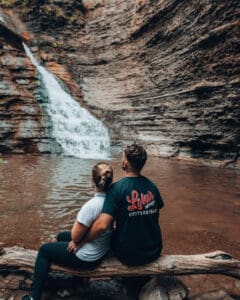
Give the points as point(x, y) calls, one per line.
point(136, 156)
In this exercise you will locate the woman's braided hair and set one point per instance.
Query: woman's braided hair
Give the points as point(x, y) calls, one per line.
point(102, 175)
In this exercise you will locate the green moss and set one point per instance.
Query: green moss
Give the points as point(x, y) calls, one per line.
point(73, 18)
point(58, 44)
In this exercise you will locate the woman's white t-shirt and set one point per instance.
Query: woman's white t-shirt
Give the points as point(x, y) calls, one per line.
point(88, 213)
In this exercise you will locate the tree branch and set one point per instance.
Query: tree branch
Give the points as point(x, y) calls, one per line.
point(217, 262)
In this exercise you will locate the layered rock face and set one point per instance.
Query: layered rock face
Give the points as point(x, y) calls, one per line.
point(20, 113)
point(24, 128)
point(163, 72)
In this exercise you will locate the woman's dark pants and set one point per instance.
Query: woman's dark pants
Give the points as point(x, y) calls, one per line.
point(55, 253)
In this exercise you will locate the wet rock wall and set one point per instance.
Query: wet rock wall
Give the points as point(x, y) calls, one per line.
point(20, 114)
point(163, 72)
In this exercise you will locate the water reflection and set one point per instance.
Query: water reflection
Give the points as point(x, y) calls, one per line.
point(41, 195)
point(69, 187)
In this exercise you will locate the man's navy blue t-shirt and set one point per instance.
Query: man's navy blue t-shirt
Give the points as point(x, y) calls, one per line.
point(134, 203)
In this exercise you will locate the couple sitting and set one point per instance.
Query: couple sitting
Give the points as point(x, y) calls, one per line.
point(133, 203)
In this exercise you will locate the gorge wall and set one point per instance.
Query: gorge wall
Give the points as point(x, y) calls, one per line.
point(162, 72)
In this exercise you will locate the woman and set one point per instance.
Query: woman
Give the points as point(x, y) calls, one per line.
point(65, 251)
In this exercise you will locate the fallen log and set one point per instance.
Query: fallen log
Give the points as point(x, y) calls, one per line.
point(218, 262)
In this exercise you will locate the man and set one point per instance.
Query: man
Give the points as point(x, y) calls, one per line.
point(133, 203)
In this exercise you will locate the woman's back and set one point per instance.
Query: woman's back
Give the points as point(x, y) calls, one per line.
point(86, 216)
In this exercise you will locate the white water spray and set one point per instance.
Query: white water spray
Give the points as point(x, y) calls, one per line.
point(78, 132)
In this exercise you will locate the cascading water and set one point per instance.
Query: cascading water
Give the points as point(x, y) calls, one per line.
point(78, 132)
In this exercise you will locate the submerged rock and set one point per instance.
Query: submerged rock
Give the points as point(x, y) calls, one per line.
point(164, 288)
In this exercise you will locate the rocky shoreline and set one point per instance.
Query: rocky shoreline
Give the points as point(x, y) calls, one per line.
point(14, 286)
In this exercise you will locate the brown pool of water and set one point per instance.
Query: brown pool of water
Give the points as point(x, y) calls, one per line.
point(41, 195)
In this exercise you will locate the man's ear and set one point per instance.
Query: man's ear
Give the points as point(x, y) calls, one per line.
point(125, 165)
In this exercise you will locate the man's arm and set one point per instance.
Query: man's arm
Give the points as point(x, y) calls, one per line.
point(102, 223)
point(78, 231)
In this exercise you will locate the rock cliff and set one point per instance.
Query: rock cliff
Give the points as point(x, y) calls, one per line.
point(162, 72)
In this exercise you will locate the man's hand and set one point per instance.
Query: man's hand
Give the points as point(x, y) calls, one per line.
point(74, 246)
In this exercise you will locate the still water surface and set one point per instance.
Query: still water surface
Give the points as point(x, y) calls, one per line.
point(41, 195)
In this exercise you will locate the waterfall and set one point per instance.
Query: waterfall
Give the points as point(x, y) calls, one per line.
point(78, 132)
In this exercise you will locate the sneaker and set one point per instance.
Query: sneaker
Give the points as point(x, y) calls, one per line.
point(27, 297)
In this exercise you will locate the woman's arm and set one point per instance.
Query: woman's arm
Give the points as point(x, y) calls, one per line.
point(78, 231)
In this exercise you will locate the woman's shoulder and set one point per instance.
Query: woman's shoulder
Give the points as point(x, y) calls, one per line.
point(91, 202)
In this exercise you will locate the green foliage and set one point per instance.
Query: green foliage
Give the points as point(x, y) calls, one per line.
point(52, 14)
point(25, 5)
point(58, 44)
point(7, 3)
point(73, 18)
